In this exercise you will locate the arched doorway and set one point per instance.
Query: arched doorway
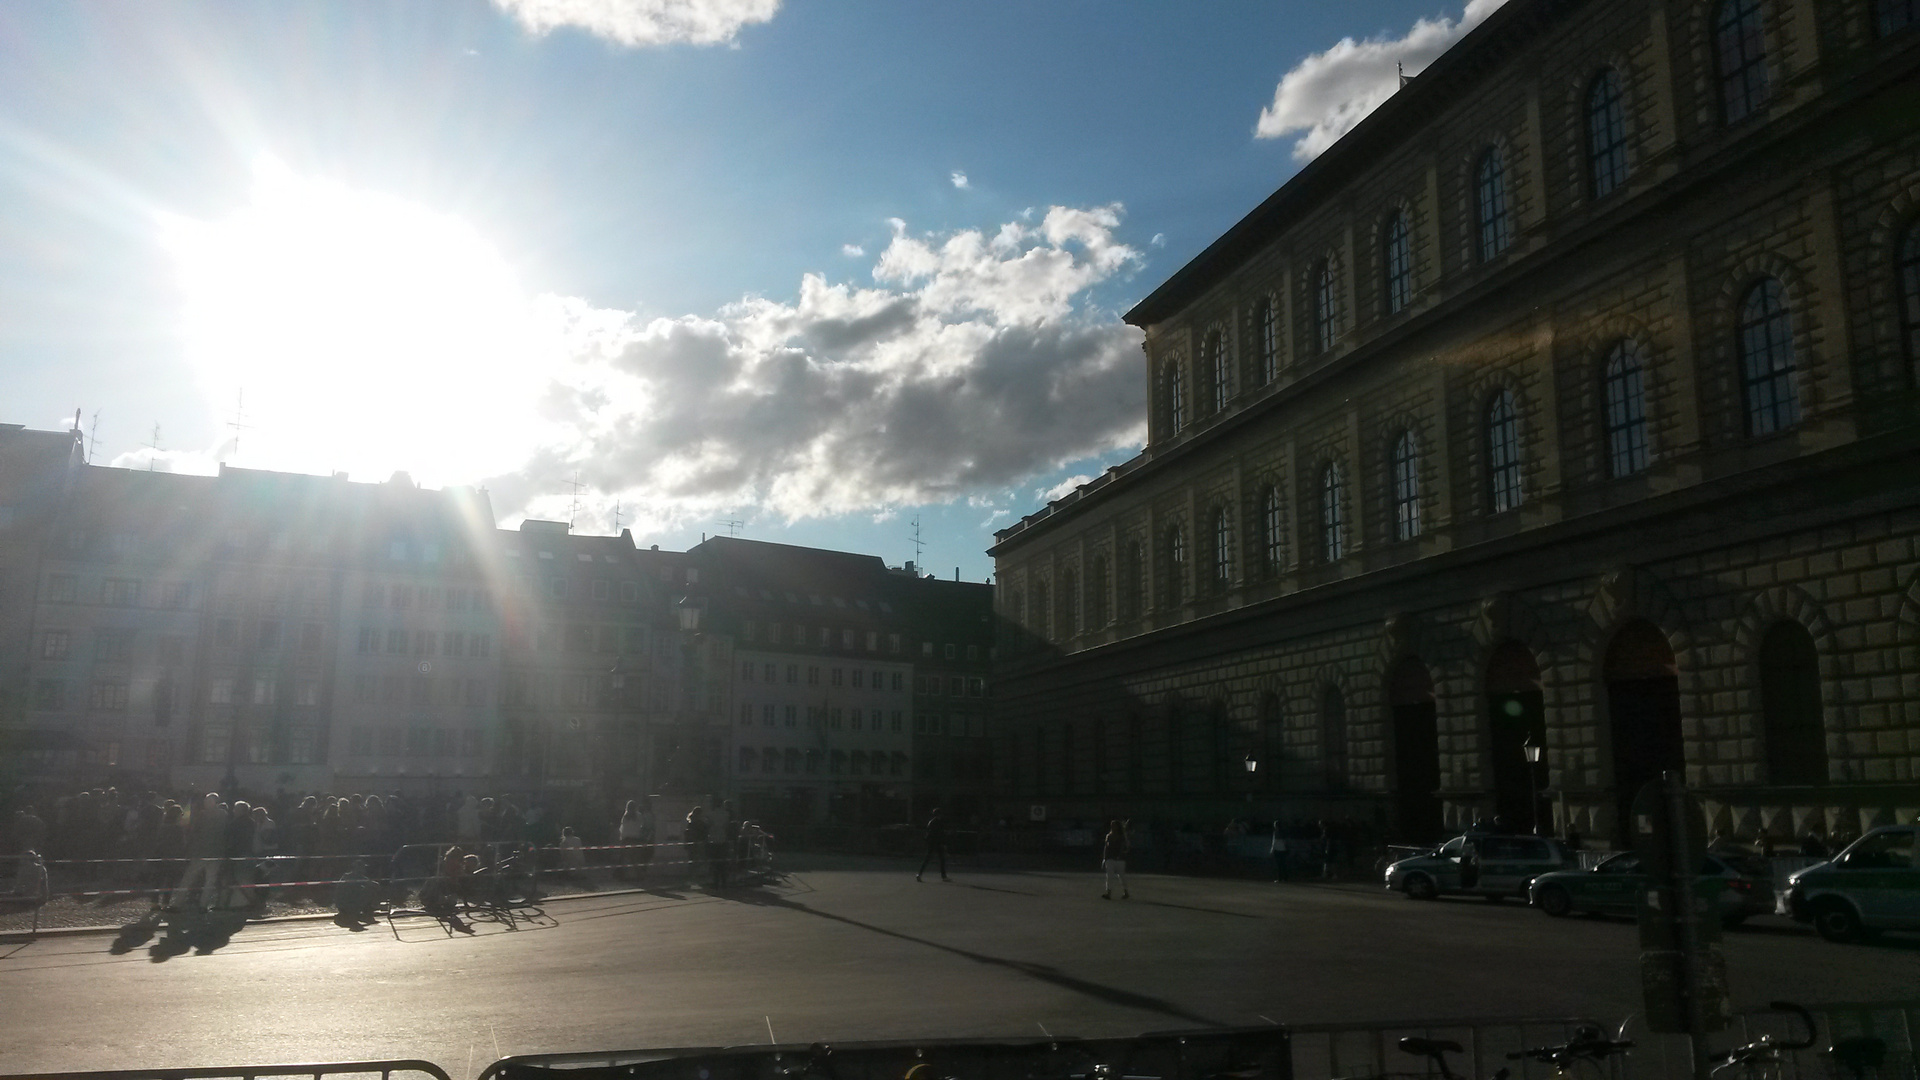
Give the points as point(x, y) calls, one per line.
point(1643, 713)
point(1516, 720)
point(1416, 752)
point(1793, 723)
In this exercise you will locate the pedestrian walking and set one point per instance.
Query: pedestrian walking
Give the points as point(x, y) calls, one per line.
point(1113, 860)
point(628, 836)
point(1277, 850)
point(936, 845)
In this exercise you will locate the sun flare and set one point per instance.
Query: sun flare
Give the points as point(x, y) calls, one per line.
point(367, 334)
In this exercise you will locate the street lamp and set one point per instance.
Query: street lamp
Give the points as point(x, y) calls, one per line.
point(1532, 753)
point(1253, 766)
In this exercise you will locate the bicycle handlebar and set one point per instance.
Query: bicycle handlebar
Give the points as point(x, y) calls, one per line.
point(1766, 1046)
point(1577, 1048)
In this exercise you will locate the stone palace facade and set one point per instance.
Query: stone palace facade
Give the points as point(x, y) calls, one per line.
point(1564, 409)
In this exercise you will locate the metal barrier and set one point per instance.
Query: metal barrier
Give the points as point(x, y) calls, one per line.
point(382, 1069)
point(1330, 1051)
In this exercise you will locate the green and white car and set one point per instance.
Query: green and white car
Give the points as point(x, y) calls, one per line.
point(1614, 887)
point(1873, 885)
point(1478, 864)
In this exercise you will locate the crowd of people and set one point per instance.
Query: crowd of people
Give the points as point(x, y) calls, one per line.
point(204, 851)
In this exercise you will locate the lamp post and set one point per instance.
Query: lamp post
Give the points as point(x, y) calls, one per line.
point(1532, 753)
point(1253, 767)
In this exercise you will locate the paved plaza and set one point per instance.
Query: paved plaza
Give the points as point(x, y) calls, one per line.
point(859, 950)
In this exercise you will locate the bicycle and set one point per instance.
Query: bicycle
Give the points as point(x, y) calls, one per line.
point(1761, 1058)
point(1588, 1044)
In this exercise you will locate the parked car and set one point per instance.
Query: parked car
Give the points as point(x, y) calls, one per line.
point(1744, 887)
point(1478, 864)
point(1871, 886)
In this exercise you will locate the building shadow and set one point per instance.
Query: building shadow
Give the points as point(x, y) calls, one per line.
point(1040, 972)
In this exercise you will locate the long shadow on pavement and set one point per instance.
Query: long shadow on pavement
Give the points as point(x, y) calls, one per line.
point(1042, 972)
point(1194, 907)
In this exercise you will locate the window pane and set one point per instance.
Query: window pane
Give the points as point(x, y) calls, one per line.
point(1273, 529)
point(1626, 412)
point(1503, 453)
point(1332, 528)
point(1397, 261)
point(1266, 332)
point(1740, 47)
point(1323, 307)
point(1766, 360)
point(1406, 488)
point(1897, 15)
point(1490, 182)
point(1606, 134)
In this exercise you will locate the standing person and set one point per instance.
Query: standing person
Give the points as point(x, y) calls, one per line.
point(719, 842)
point(206, 843)
point(573, 855)
point(1113, 860)
point(627, 835)
point(936, 845)
point(695, 838)
point(1277, 850)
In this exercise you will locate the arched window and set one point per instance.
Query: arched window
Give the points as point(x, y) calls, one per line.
point(1215, 359)
point(1273, 529)
point(1174, 394)
point(1893, 16)
point(1396, 263)
point(1132, 593)
point(1490, 205)
point(1266, 336)
point(1624, 391)
point(1069, 619)
point(1333, 737)
point(1042, 611)
point(1222, 548)
point(1606, 134)
point(1176, 556)
point(1767, 364)
point(1503, 453)
point(1406, 487)
point(1324, 309)
point(1097, 592)
point(1907, 288)
point(1333, 527)
point(1740, 55)
point(1791, 715)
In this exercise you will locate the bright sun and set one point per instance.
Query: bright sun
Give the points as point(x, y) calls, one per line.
point(368, 334)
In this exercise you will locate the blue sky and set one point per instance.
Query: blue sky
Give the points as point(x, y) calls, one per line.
point(822, 267)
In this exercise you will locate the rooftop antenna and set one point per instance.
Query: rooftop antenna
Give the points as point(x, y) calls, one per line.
point(917, 545)
point(153, 444)
point(573, 508)
point(616, 517)
point(76, 432)
point(733, 525)
point(93, 437)
point(239, 422)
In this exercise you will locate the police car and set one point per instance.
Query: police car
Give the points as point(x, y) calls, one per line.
point(1873, 885)
point(1479, 864)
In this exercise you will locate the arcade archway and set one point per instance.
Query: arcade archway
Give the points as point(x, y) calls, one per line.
point(1643, 712)
point(1416, 752)
point(1516, 720)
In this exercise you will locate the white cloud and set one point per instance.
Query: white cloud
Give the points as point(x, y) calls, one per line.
point(635, 23)
point(974, 363)
point(1061, 489)
point(852, 251)
point(198, 462)
point(959, 179)
point(1159, 240)
point(1327, 93)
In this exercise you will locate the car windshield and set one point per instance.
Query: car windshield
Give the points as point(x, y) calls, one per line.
point(535, 526)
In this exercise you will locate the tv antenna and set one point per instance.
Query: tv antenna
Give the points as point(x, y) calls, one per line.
point(153, 444)
point(93, 437)
point(239, 422)
point(573, 508)
point(734, 525)
point(917, 545)
point(616, 517)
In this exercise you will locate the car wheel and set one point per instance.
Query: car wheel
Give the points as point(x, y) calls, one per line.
point(1421, 887)
point(1835, 921)
point(1553, 900)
